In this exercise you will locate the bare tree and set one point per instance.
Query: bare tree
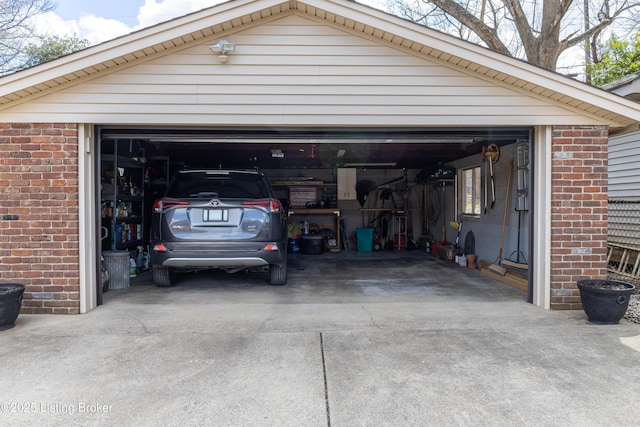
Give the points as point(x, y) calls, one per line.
point(535, 30)
point(16, 30)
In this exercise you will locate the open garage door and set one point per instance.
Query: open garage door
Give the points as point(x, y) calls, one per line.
point(411, 189)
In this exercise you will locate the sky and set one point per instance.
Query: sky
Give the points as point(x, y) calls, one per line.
point(99, 21)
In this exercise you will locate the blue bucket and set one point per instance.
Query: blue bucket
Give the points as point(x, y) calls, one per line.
point(293, 245)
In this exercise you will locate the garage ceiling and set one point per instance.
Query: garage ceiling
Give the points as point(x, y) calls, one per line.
point(311, 148)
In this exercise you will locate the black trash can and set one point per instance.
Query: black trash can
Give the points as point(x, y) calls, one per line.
point(10, 304)
point(312, 244)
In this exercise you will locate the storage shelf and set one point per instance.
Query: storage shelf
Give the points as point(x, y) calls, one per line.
point(121, 176)
point(123, 198)
point(123, 162)
point(321, 211)
point(130, 244)
point(128, 220)
point(313, 211)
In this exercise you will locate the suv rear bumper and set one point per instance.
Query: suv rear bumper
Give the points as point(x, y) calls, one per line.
point(223, 258)
point(214, 262)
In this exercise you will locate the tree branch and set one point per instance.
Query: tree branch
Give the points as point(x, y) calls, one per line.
point(487, 34)
point(522, 25)
point(571, 41)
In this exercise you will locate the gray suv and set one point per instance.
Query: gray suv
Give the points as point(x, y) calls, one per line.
point(226, 219)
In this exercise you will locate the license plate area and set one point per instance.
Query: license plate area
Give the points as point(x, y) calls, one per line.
point(215, 215)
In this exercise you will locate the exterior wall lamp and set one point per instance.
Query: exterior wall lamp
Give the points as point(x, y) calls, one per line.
point(222, 48)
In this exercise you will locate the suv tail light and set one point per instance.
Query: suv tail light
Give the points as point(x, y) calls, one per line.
point(159, 248)
point(162, 204)
point(272, 205)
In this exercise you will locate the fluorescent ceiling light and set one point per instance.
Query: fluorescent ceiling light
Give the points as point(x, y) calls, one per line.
point(277, 153)
point(370, 165)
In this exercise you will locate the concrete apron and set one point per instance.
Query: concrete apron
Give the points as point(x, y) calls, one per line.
point(352, 339)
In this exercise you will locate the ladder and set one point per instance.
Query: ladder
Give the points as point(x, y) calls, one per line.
point(623, 261)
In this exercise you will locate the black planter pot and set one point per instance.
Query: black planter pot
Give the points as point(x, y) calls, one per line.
point(10, 303)
point(605, 301)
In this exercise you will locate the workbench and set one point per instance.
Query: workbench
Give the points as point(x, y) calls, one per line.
point(321, 211)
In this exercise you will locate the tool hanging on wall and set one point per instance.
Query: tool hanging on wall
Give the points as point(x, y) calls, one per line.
point(486, 179)
point(490, 154)
point(497, 266)
point(522, 204)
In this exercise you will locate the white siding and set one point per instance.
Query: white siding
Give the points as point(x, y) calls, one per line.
point(624, 224)
point(294, 71)
point(624, 169)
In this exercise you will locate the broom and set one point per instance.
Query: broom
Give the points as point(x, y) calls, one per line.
point(496, 267)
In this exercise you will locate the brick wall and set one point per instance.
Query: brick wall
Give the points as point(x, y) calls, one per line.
point(39, 214)
point(578, 211)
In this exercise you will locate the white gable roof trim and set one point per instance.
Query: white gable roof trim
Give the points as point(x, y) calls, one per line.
point(226, 18)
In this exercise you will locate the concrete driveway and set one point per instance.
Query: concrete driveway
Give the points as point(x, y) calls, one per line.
point(382, 339)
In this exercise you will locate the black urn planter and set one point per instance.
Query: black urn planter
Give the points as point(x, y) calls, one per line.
point(605, 301)
point(10, 303)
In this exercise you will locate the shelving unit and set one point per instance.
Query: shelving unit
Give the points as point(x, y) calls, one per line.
point(157, 173)
point(156, 176)
point(322, 200)
point(122, 198)
point(335, 212)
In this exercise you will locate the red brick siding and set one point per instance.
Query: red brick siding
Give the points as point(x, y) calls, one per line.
point(578, 210)
point(39, 185)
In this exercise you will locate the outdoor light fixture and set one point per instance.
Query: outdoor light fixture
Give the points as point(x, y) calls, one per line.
point(221, 48)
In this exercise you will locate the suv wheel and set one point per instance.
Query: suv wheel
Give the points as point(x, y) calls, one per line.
point(163, 276)
point(278, 274)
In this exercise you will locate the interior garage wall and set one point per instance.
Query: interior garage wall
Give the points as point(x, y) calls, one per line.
point(350, 210)
point(487, 228)
point(39, 214)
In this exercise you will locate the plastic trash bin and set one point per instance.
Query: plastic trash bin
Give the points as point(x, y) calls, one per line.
point(364, 237)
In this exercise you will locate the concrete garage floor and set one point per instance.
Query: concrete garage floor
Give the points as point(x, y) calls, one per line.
point(384, 339)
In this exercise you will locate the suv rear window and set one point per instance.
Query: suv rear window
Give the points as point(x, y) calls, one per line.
point(221, 184)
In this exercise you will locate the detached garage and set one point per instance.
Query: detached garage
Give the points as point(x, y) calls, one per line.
point(345, 108)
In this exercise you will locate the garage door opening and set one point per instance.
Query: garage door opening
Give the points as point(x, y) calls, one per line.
point(375, 190)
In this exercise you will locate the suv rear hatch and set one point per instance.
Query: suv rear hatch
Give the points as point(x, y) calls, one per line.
point(215, 219)
point(217, 206)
